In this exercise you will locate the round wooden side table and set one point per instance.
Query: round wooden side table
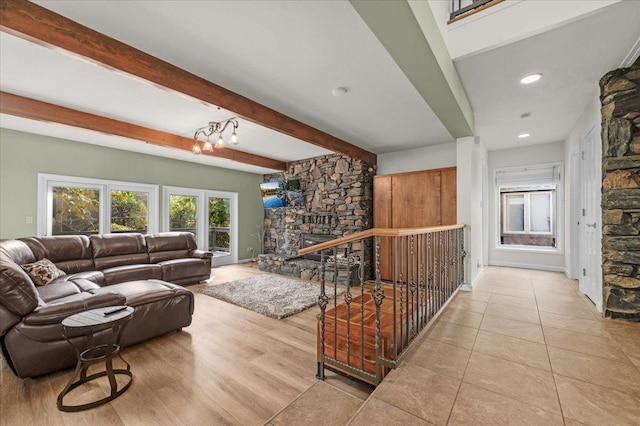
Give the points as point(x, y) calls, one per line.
point(89, 323)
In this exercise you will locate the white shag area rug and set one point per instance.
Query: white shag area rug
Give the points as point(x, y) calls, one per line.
point(270, 295)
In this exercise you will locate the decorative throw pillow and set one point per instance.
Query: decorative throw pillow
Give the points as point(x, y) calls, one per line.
point(43, 271)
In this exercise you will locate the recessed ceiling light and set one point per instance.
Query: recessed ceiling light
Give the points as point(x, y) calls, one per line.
point(530, 78)
point(523, 135)
point(339, 91)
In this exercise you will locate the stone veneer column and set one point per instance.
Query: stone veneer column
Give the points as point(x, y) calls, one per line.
point(620, 99)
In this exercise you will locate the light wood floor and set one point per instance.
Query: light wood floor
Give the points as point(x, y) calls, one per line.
point(525, 347)
point(231, 366)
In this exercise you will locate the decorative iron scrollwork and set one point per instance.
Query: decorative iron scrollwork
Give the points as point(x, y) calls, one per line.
point(323, 300)
point(377, 294)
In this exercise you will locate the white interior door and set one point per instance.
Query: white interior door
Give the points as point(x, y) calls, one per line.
point(589, 276)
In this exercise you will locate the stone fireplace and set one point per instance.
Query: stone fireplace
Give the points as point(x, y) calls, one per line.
point(337, 201)
point(620, 99)
point(308, 240)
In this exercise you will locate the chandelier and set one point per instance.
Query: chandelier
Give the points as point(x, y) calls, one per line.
point(214, 128)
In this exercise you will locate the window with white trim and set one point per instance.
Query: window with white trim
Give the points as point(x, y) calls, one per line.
point(528, 207)
point(76, 205)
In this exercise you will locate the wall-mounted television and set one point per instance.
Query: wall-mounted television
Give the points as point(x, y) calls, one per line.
point(284, 193)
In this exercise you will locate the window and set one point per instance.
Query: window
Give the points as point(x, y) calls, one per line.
point(76, 210)
point(219, 226)
point(210, 215)
point(528, 217)
point(183, 213)
point(528, 207)
point(129, 211)
point(75, 205)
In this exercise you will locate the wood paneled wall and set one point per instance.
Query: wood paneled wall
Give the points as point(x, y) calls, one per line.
point(413, 200)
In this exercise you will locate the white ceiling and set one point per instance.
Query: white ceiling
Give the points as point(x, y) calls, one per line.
point(289, 55)
point(572, 59)
point(285, 55)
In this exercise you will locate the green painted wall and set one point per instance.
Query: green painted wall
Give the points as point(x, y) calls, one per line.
point(24, 155)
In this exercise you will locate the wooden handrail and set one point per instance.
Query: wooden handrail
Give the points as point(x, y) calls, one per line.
point(376, 232)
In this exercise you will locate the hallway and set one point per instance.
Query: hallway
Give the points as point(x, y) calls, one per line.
point(525, 347)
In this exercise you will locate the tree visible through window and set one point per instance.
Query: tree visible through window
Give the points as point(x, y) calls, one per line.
point(75, 211)
point(129, 211)
point(219, 222)
point(183, 213)
point(76, 205)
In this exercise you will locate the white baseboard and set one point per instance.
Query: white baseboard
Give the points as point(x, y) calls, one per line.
point(528, 266)
point(470, 287)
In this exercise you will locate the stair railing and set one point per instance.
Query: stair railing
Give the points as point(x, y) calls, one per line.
point(400, 279)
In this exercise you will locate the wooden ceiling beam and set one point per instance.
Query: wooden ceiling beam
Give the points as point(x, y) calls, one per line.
point(37, 24)
point(42, 111)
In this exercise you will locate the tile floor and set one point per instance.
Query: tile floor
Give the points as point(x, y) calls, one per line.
point(525, 347)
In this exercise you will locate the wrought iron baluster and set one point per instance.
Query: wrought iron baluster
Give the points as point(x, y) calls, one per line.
point(441, 266)
point(463, 254)
point(452, 260)
point(422, 283)
point(347, 301)
point(446, 263)
point(412, 288)
point(323, 300)
point(362, 244)
point(394, 271)
point(378, 296)
point(335, 303)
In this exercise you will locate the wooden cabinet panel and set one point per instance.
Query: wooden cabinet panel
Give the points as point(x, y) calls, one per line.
point(382, 200)
point(413, 200)
point(382, 218)
point(449, 193)
point(416, 199)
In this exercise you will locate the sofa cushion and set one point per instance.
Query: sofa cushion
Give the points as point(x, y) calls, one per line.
point(16, 251)
point(96, 277)
point(54, 313)
point(111, 250)
point(71, 253)
point(143, 291)
point(178, 269)
point(120, 274)
point(18, 294)
point(170, 245)
point(60, 289)
point(42, 271)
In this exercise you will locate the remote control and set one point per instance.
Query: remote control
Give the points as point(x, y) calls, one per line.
point(113, 310)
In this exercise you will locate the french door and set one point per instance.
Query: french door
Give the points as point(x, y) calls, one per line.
point(210, 215)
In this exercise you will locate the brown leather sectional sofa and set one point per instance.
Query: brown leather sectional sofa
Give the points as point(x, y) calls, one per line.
point(101, 270)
